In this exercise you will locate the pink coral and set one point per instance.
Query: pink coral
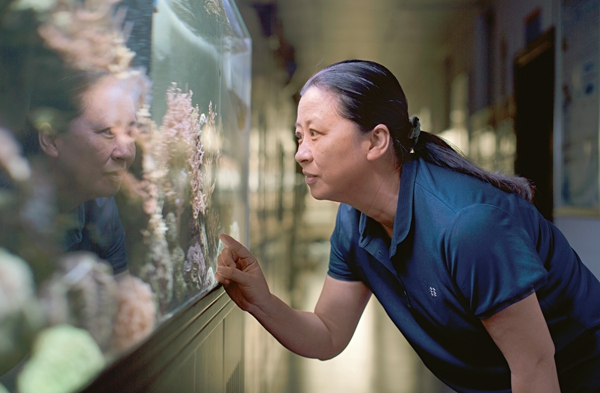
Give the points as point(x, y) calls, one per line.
point(87, 35)
point(181, 127)
point(137, 313)
point(195, 267)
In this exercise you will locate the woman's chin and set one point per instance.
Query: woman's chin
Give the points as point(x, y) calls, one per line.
point(106, 190)
point(318, 194)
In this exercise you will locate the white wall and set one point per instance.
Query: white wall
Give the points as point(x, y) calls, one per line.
point(584, 236)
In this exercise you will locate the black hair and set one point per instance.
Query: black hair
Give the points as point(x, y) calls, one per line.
point(369, 94)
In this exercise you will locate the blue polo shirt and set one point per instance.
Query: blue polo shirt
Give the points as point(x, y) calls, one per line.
point(463, 250)
point(99, 230)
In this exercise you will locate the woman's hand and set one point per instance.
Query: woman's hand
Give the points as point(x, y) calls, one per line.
point(321, 334)
point(241, 275)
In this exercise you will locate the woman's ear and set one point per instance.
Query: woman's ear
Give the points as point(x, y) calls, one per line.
point(380, 142)
point(47, 139)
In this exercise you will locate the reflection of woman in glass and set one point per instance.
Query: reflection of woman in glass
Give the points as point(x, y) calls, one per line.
point(80, 129)
point(488, 292)
point(87, 162)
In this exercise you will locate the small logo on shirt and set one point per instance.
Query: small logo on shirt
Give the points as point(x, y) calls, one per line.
point(432, 292)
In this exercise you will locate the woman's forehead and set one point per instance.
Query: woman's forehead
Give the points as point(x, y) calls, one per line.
point(108, 100)
point(317, 101)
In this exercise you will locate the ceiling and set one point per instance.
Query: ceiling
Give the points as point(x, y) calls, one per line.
point(408, 36)
point(403, 33)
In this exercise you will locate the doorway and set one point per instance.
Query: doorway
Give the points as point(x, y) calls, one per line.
point(534, 118)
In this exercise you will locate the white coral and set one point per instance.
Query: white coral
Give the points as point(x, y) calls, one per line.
point(11, 159)
point(16, 283)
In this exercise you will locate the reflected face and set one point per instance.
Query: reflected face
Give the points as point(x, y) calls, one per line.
point(98, 147)
point(332, 150)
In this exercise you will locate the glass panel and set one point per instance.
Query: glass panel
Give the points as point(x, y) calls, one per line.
point(115, 181)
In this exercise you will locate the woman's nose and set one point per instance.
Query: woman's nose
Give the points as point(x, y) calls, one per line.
point(124, 148)
point(303, 154)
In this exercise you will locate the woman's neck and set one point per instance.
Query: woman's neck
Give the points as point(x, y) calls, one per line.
point(379, 199)
point(68, 198)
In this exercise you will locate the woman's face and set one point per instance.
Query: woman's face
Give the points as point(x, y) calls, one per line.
point(98, 147)
point(332, 150)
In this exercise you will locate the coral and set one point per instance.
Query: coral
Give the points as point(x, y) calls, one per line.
point(209, 280)
point(137, 313)
point(63, 359)
point(181, 127)
point(11, 159)
point(198, 276)
point(172, 164)
point(20, 313)
point(158, 270)
point(16, 283)
point(82, 292)
point(177, 257)
point(87, 34)
point(199, 197)
point(194, 267)
point(165, 176)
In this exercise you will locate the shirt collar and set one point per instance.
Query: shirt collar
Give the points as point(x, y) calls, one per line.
point(404, 211)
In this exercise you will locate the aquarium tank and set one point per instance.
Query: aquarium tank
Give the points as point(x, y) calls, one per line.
point(123, 155)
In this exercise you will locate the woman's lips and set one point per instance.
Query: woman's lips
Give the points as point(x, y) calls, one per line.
point(115, 175)
point(309, 177)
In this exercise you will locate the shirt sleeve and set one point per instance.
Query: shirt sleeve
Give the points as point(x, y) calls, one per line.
point(340, 249)
point(492, 259)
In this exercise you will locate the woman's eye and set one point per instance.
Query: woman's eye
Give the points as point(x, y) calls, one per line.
point(106, 132)
point(312, 132)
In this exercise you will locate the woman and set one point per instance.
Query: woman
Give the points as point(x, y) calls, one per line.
point(87, 164)
point(489, 294)
point(79, 136)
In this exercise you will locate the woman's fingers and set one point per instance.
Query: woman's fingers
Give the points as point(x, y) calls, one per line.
point(231, 273)
point(226, 258)
point(236, 247)
point(222, 280)
point(230, 263)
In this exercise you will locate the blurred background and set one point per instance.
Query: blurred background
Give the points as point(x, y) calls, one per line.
point(513, 84)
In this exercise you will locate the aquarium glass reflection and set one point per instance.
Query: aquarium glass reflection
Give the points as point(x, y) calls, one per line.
point(117, 174)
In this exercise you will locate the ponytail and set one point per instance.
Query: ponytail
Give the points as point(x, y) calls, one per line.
point(435, 150)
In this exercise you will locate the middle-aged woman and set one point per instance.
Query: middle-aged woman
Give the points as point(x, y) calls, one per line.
point(79, 132)
point(489, 293)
